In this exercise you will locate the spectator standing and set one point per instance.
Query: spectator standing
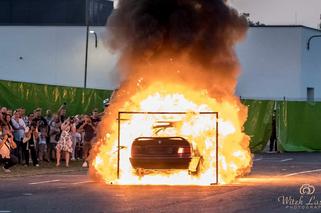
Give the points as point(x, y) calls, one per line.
point(9, 111)
point(8, 123)
point(54, 135)
point(6, 146)
point(19, 129)
point(30, 143)
point(95, 118)
point(30, 119)
point(43, 153)
point(1, 119)
point(25, 143)
point(62, 112)
point(65, 143)
point(23, 115)
point(78, 139)
point(89, 133)
point(41, 121)
point(4, 110)
point(273, 138)
point(48, 116)
point(74, 135)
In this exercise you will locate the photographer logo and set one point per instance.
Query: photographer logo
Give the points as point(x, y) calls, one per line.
point(305, 199)
point(307, 189)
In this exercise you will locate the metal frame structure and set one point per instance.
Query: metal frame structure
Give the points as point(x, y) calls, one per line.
point(165, 113)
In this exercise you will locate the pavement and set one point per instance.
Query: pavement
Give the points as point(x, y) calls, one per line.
point(288, 182)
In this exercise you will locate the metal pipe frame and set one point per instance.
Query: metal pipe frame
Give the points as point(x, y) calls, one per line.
point(167, 113)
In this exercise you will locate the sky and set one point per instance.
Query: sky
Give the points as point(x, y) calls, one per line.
point(281, 12)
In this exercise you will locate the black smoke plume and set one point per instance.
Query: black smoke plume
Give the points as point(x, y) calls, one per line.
point(205, 30)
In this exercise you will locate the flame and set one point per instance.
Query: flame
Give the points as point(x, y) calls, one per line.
point(181, 59)
point(234, 157)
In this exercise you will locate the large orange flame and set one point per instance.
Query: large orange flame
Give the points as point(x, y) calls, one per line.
point(172, 93)
point(175, 56)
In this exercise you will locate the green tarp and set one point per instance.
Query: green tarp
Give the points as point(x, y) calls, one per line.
point(298, 123)
point(259, 123)
point(299, 126)
point(16, 94)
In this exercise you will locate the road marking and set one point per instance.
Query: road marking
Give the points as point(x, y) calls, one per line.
point(258, 159)
point(5, 211)
point(41, 182)
point(303, 172)
point(27, 194)
point(271, 158)
point(287, 159)
point(82, 182)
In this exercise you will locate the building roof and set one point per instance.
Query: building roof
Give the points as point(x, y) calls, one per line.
point(286, 26)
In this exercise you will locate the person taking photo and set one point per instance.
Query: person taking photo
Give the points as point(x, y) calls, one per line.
point(6, 146)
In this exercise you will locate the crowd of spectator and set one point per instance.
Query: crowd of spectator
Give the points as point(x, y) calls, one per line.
point(36, 139)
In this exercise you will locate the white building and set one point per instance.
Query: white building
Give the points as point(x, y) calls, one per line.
point(275, 60)
point(276, 63)
point(56, 55)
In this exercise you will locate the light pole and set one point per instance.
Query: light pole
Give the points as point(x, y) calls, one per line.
point(86, 56)
point(95, 34)
point(87, 35)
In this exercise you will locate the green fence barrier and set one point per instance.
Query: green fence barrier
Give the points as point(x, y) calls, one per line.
point(299, 126)
point(16, 94)
point(298, 123)
point(259, 123)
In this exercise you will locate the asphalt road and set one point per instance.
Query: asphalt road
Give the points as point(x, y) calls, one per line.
point(275, 181)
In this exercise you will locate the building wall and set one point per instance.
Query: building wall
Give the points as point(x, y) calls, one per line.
point(274, 60)
point(311, 65)
point(271, 63)
point(55, 55)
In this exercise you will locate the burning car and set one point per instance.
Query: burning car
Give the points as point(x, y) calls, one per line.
point(163, 153)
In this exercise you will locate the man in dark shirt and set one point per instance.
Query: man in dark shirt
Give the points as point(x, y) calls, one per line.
point(95, 118)
point(89, 131)
point(273, 138)
point(39, 119)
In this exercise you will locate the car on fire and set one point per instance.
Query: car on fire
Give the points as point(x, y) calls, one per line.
point(163, 153)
